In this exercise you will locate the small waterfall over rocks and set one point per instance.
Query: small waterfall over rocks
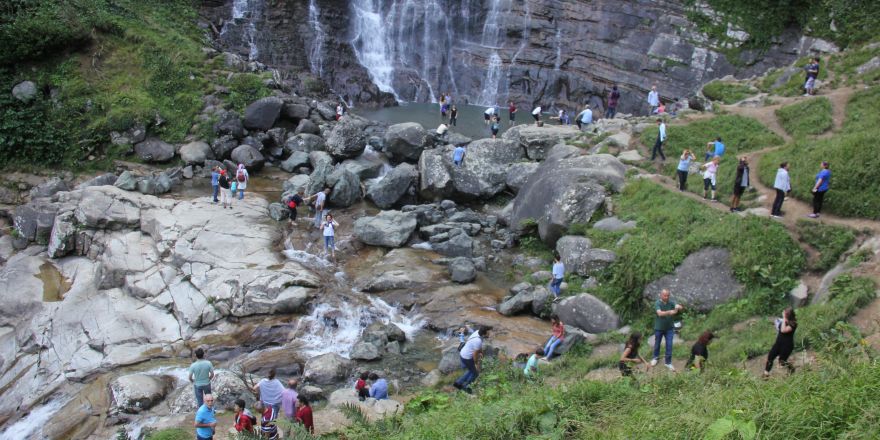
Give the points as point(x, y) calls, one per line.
point(243, 17)
point(316, 52)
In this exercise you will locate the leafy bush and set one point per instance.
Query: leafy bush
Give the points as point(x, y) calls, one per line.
point(854, 156)
point(728, 93)
point(831, 241)
point(244, 89)
point(810, 117)
point(170, 434)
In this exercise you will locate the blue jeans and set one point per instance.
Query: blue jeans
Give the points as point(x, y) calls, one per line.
point(216, 192)
point(200, 391)
point(610, 112)
point(470, 375)
point(555, 286)
point(328, 242)
point(319, 216)
point(550, 346)
point(660, 334)
point(240, 194)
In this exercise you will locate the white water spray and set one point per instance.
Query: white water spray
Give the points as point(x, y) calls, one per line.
point(316, 52)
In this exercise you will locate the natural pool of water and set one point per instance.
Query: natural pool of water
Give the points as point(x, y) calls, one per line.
point(470, 117)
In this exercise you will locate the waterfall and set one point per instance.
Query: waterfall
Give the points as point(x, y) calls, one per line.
point(558, 43)
point(492, 28)
point(370, 44)
point(316, 52)
point(489, 93)
point(243, 14)
point(526, 33)
point(31, 425)
point(494, 69)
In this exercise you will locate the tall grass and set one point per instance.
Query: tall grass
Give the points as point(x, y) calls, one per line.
point(728, 93)
point(810, 117)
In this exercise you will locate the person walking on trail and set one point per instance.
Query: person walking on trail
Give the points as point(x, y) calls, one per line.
point(556, 338)
point(270, 390)
point(613, 99)
point(471, 356)
point(304, 414)
point(379, 387)
point(453, 116)
point(242, 177)
point(215, 183)
point(201, 372)
point(320, 199)
point(206, 419)
point(714, 148)
point(740, 183)
point(631, 355)
point(584, 118)
point(225, 190)
point(661, 139)
point(268, 415)
point(536, 113)
point(294, 202)
point(288, 399)
point(511, 113)
point(700, 352)
point(823, 179)
point(684, 164)
point(328, 228)
point(458, 155)
point(784, 344)
point(710, 177)
point(666, 309)
point(653, 100)
point(531, 367)
point(558, 274)
point(782, 185)
point(496, 125)
point(242, 419)
point(812, 74)
point(487, 115)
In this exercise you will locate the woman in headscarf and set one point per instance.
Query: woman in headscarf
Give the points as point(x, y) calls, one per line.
point(242, 177)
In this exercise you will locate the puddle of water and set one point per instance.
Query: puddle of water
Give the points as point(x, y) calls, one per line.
point(55, 285)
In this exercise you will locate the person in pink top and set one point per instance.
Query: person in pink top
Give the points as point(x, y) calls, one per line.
point(710, 176)
point(557, 338)
point(288, 399)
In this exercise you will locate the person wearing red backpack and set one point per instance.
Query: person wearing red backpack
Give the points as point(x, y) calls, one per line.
point(295, 201)
point(242, 177)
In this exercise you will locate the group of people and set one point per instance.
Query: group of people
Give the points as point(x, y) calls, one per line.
point(273, 400)
point(378, 389)
point(225, 187)
point(322, 220)
point(782, 186)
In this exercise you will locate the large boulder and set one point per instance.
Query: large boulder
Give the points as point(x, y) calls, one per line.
point(365, 351)
point(567, 188)
point(528, 298)
point(25, 91)
point(519, 173)
point(462, 270)
point(33, 221)
point(459, 244)
point(579, 257)
point(365, 166)
point(327, 369)
point(406, 141)
point(388, 229)
point(537, 141)
point(229, 123)
point(252, 159)
point(154, 150)
point(304, 142)
point(435, 175)
point(346, 188)
point(134, 393)
point(223, 146)
point(347, 139)
point(702, 281)
point(101, 180)
point(262, 114)
point(195, 153)
point(226, 387)
point(295, 161)
point(48, 188)
point(386, 191)
point(485, 169)
point(322, 166)
point(587, 313)
point(295, 112)
point(306, 126)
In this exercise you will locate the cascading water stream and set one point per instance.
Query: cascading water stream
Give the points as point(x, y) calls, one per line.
point(370, 44)
point(494, 69)
point(316, 52)
point(243, 14)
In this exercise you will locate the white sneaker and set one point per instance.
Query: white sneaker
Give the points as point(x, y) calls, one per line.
point(653, 362)
point(670, 367)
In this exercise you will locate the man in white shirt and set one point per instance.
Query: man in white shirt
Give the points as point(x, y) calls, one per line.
point(782, 185)
point(536, 113)
point(653, 100)
point(661, 139)
point(585, 118)
point(487, 115)
point(471, 355)
point(320, 203)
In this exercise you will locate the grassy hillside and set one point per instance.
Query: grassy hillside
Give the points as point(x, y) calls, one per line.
point(854, 155)
point(806, 118)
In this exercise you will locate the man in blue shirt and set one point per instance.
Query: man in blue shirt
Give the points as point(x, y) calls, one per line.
point(458, 155)
point(379, 389)
point(215, 182)
point(715, 148)
point(558, 275)
point(206, 419)
point(823, 178)
point(661, 139)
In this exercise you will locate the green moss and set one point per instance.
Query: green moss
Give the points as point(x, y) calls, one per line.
point(728, 93)
point(831, 241)
point(245, 88)
point(810, 117)
point(170, 434)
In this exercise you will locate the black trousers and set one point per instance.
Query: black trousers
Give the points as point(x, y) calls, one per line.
point(658, 148)
point(682, 180)
point(818, 199)
point(783, 351)
point(777, 202)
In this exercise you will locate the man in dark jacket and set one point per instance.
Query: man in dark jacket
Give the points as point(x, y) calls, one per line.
point(740, 183)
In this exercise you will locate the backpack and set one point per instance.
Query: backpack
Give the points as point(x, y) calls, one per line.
point(240, 176)
point(291, 204)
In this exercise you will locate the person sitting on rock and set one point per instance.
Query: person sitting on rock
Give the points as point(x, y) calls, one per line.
point(379, 389)
point(558, 336)
point(361, 386)
point(531, 368)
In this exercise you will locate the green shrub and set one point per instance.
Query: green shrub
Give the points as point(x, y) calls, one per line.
point(810, 117)
point(728, 93)
point(831, 241)
point(854, 156)
point(171, 434)
point(245, 88)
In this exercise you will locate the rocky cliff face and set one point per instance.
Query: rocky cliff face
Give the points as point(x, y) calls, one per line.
point(488, 51)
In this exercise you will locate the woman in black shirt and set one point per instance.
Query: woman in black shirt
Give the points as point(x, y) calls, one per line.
point(784, 344)
point(631, 354)
point(700, 351)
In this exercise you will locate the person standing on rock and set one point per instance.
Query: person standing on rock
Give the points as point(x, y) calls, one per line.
point(295, 201)
point(784, 344)
point(823, 178)
point(206, 419)
point(661, 139)
point(242, 177)
point(740, 183)
point(664, 327)
point(536, 113)
point(268, 415)
point(613, 99)
point(511, 113)
point(328, 228)
point(700, 352)
point(714, 148)
point(288, 399)
point(201, 372)
point(453, 116)
point(458, 155)
point(584, 118)
point(653, 100)
point(225, 190)
point(631, 355)
point(487, 115)
point(782, 185)
point(496, 125)
point(304, 414)
point(215, 182)
point(558, 274)
point(684, 164)
point(270, 390)
point(379, 387)
point(557, 337)
point(710, 177)
point(471, 356)
point(320, 198)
